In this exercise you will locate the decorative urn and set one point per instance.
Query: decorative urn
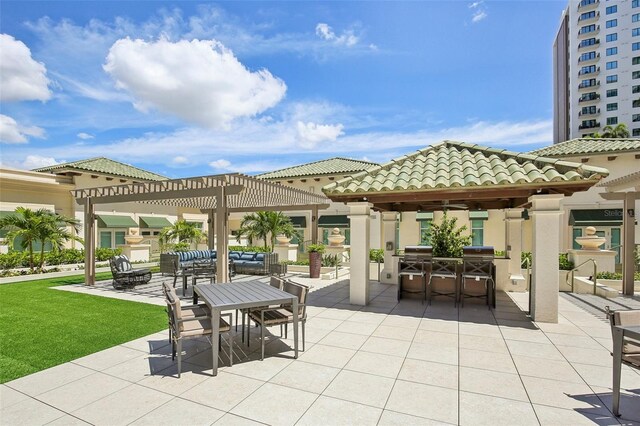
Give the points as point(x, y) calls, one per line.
point(133, 237)
point(335, 238)
point(282, 239)
point(590, 241)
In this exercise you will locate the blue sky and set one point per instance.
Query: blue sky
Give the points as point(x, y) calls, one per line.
point(189, 88)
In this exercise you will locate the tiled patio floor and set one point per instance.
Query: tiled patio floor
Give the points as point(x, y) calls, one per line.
point(388, 363)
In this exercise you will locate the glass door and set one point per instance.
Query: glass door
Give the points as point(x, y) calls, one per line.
point(615, 243)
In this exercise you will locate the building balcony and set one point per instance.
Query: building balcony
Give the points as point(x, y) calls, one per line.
point(585, 99)
point(590, 46)
point(587, 5)
point(589, 126)
point(590, 73)
point(589, 33)
point(595, 85)
point(589, 114)
point(590, 19)
point(586, 61)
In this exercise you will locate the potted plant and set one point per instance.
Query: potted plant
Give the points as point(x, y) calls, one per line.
point(447, 239)
point(315, 259)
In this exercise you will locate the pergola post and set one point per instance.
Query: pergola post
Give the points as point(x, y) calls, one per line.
point(513, 244)
point(360, 244)
point(628, 258)
point(314, 225)
point(545, 216)
point(222, 243)
point(89, 243)
point(389, 274)
point(211, 229)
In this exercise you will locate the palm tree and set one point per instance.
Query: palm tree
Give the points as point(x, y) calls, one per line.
point(181, 232)
point(608, 132)
point(38, 226)
point(265, 225)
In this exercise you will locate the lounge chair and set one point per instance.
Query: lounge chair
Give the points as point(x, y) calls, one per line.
point(124, 275)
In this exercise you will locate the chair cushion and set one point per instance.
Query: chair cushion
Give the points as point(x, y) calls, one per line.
point(259, 257)
point(201, 327)
point(247, 256)
point(122, 263)
point(272, 317)
point(234, 255)
point(213, 254)
point(195, 311)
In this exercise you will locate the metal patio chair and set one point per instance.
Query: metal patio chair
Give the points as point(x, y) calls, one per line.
point(413, 266)
point(124, 276)
point(444, 268)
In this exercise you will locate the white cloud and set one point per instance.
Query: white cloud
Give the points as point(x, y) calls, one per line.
point(37, 161)
point(180, 160)
point(220, 164)
point(475, 4)
point(84, 136)
point(347, 38)
point(21, 78)
point(199, 81)
point(12, 132)
point(310, 133)
point(478, 16)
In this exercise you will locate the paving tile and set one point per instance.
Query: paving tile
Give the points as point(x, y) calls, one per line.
point(553, 416)
point(442, 326)
point(386, 346)
point(305, 376)
point(487, 360)
point(233, 420)
point(477, 409)
point(338, 412)
point(436, 338)
point(601, 376)
point(361, 388)
point(571, 396)
point(368, 317)
point(420, 400)
point(551, 369)
point(391, 418)
point(535, 350)
point(323, 323)
point(402, 321)
point(108, 358)
point(328, 355)
point(339, 314)
point(151, 344)
point(236, 388)
point(429, 373)
point(130, 404)
point(67, 420)
point(276, 405)
point(492, 383)
point(138, 368)
point(264, 370)
point(10, 396)
point(83, 391)
point(343, 340)
point(378, 364)
point(527, 335)
point(51, 378)
point(561, 328)
point(629, 403)
point(179, 411)
point(357, 328)
point(483, 343)
point(571, 340)
point(29, 412)
point(396, 333)
point(473, 329)
point(428, 352)
point(167, 380)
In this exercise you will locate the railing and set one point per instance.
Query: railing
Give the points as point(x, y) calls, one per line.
point(595, 274)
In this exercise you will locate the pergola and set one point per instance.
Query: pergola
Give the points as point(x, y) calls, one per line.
point(626, 189)
point(216, 195)
point(471, 177)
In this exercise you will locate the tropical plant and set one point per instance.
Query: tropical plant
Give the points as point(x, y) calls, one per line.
point(39, 226)
point(316, 248)
point(181, 232)
point(265, 226)
point(376, 255)
point(564, 264)
point(446, 238)
point(609, 132)
point(331, 260)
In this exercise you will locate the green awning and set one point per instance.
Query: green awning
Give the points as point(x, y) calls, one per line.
point(479, 214)
point(112, 221)
point(154, 222)
point(424, 216)
point(596, 217)
point(334, 221)
point(299, 221)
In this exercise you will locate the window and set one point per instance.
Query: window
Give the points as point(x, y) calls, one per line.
point(635, 3)
point(612, 107)
point(636, 103)
point(635, 60)
point(612, 37)
point(612, 51)
point(588, 69)
point(584, 3)
point(425, 225)
point(105, 239)
point(612, 121)
point(588, 42)
point(635, 117)
point(612, 23)
point(611, 9)
point(635, 132)
point(477, 232)
point(612, 78)
point(588, 83)
point(635, 32)
point(635, 75)
point(635, 17)
point(587, 56)
point(612, 65)
point(120, 237)
point(588, 124)
point(588, 110)
point(612, 92)
point(577, 232)
point(591, 96)
point(589, 28)
point(635, 46)
point(635, 89)
point(587, 15)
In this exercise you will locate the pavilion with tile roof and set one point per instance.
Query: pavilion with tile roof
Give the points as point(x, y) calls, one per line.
point(476, 177)
point(102, 166)
point(330, 166)
point(589, 146)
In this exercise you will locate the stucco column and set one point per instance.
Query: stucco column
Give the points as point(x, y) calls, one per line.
point(513, 244)
point(222, 243)
point(545, 217)
point(211, 229)
point(89, 243)
point(360, 226)
point(389, 274)
point(628, 259)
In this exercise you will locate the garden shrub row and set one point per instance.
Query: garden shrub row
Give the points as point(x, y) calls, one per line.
point(20, 259)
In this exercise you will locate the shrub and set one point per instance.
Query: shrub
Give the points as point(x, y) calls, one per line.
point(525, 259)
point(296, 262)
point(564, 263)
point(252, 249)
point(376, 255)
point(332, 260)
point(182, 246)
point(616, 276)
point(104, 253)
point(319, 248)
point(13, 259)
point(64, 257)
point(447, 239)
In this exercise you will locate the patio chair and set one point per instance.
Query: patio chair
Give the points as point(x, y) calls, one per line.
point(274, 281)
point(630, 347)
point(189, 327)
point(199, 271)
point(477, 270)
point(444, 268)
point(413, 266)
point(124, 275)
point(283, 315)
point(188, 311)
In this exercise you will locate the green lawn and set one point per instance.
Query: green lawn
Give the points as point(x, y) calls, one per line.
point(42, 327)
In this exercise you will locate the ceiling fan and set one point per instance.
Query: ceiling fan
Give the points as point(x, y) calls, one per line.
point(444, 207)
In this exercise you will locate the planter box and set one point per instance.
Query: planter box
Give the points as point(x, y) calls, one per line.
point(617, 284)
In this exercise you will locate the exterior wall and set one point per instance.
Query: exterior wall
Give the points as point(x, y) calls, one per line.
point(561, 82)
point(572, 24)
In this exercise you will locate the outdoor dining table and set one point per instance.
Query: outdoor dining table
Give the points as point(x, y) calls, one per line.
point(242, 295)
point(619, 334)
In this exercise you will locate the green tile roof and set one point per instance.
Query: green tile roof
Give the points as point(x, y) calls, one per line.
point(104, 166)
point(589, 146)
point(330, 166)
point(455, 164)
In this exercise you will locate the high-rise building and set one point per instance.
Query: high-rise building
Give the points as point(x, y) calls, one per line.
point(596, 68)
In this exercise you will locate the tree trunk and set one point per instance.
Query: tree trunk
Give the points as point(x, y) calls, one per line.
point(315, 263)
point(42, 255)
